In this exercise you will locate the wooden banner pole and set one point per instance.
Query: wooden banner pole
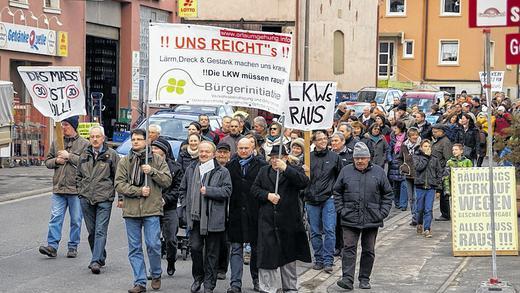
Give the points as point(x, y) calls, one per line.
point(59, 137)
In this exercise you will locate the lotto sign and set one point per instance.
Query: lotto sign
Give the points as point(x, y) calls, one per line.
point(188, 8)
point(494, 13)
point(55, 91)
point(205, 65)
point(471, 219)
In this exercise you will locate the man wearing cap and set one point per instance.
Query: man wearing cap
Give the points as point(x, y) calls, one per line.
point(402, 115)
point(95, 180)
point(282, 239)
point(502, 121)
point(442, 149)
point(65, 193)
point(363, 197)
point(243, 212)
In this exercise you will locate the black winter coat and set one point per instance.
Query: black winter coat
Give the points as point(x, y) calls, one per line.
point(471, 139)
point(325, 168)
point(243, 206)
point(185, 159)
point(363, 198)
point(442, 149)
point(425, 131)
point(428, 171)
point(281, 235)
point(380, 150)
point(347, 155)
point(171, 194)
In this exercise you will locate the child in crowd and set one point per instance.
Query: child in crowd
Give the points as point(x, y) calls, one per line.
point(457, 161)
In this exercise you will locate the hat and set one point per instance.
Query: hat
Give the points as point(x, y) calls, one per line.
point(501, 108)
point(196, 124)
point(439, 126)
point(299, 142)
point(361, 150)
point(463, 92)
point(73, 121)
point(402, 106)
point(465, 105)
point(476, 99)
point(163, 144)
point(276, 150)
point(223, 146)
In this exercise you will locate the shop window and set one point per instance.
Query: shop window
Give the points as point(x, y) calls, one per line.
point(449, 53)
point(339, 52)
point(408, 48)
point(450, 7)
point(396, 7)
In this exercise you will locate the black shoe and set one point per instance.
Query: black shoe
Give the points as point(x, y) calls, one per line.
point(413, 224)
point(256, 285)
point(345, 285)
point(234, 290)
point(337, 252)
point(442, 219)
point(403, 209)
point(149, 278)
point(48, 251)
point(95, 268)
point(317, 267)
point(195, 287)
point(221, 276)
point(365, 284)
point(171, 268)
point(72, 253)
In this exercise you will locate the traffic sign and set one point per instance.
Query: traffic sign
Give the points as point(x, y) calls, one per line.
point(494, 13)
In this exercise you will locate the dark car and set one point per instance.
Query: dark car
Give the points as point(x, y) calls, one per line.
point(424, 101)
point(173, 128)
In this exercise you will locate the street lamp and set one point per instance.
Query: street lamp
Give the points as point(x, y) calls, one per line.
point(45, 20)
point(34, 17)
point(8, 12)
point(58, 22)
point(22, 16)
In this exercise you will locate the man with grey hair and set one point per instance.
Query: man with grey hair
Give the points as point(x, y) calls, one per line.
point(95, 180)
point(350, 141)
point(260, 125)
point(154, 131)
point(366, 117)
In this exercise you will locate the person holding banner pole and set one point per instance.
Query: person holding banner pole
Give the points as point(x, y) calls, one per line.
point(65, 193)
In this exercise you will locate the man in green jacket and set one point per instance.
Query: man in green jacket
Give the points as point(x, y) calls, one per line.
point(457, 161)
point(64, 192)
point(142, 207)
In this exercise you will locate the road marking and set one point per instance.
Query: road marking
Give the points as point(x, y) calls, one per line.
point(25, 198)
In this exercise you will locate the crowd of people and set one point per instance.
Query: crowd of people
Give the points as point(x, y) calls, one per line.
point(244, 187)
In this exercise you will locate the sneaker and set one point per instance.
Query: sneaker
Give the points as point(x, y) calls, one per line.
point(403, 209)
point(221, 276)
point(364, 284)
point(419, 229)
point(345, 285)
point(442, 219)
point(328, 269)
point(95, 268)
point(427, 234)
point(317, 267)
point(137, 289)
point(72, 253)
point(234, 290)
point(48, 251)
point(156, 283)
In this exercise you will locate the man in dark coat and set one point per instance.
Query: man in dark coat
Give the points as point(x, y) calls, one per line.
point(442, 148)
point(243, 212)
point(424, 127)
point(363, 197)
point(282, 239)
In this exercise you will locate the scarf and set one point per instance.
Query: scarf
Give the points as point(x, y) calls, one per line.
point(137, 174)
point(411, 146)
point(193, 153)
point(244, 164)
point(198, 202)
point(271, 138)
point(399, 139)
point(375, 139)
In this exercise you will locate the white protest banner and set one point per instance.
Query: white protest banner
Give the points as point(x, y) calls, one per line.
point(205, 168)
point(470, 210)
point(310, 105)
point(55, 91)
point(497, 80)
point(203, 65)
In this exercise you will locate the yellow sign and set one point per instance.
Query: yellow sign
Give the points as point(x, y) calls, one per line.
point(84, 128)
point(402, 85)
point(63, 44)
point(188, 8)
point(470, 206)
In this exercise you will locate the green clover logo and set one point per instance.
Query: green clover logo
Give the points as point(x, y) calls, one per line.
point(176, 86)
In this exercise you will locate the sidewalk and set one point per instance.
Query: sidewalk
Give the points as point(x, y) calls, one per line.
point(24, 181)
point(407, 262)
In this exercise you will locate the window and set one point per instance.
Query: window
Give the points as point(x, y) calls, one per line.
point(396, 7)
point(51, 6)
point(450, 7)
point(449, 53)
point(408, 49)
point(339, 52)
point(386, 59)
point(19, 3)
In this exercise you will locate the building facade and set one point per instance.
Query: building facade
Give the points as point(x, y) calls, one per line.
point(429, 45)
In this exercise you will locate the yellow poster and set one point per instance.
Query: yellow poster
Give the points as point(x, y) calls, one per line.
point(63, 44)
point(471, 217)
point(188, 8)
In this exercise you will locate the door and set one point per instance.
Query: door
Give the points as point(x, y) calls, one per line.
point(386, 59)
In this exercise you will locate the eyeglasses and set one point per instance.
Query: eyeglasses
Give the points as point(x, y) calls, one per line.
point(274, 128)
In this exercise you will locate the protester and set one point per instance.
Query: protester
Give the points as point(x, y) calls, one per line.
point(407, 168)
point(353, 197)
point(140, 186)
point(243, 213)
point(424, 127)
point(64, 190)
point(325, 166)
point(234, 136)
point(204, 199)
point(441, 149)
point(296, 156)
point(379, 145)
point(366, 118)
point(95, 182)
point(403, 116)
point(224, 129)
point(206, 131)
point(350, 142)
point(170, 195)
point(457, 161)
point(273, 138)
point(154, 131)
point(190, 152)
point(502, 121)
point(282, 239)
point(260, 125)
point(428, 177)
point(470, 138)
point(398, 137)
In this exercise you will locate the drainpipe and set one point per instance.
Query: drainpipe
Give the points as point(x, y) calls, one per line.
point(425, 31)
point(297, 38)
point(306, 44)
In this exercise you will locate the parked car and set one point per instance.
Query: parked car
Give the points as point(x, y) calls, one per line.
point(173, 128)
point(221, 111)
point(424, 101)
point(383, 96)
point(358, 107)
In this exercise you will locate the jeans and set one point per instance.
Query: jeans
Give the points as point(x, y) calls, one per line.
point(396, 186)
point(170, 226)
point(410, 189)
point(97, 217)
point(237, 264)
point(348, 260)
point(59, 204)
point(403, 195)
point(204, 254)
point(425, 198)
point(322, 222)
point(152, 238)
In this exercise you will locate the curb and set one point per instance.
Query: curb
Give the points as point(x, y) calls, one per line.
point(13, 196)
